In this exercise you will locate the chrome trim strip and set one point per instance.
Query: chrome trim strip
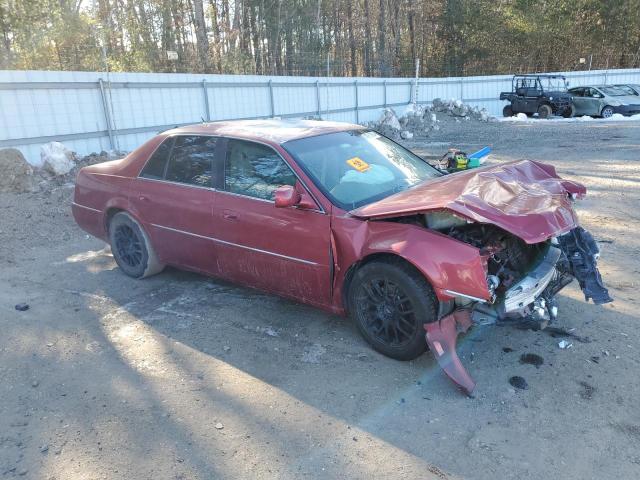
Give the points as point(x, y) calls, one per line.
point(458, 294)
point(180, 184)
point(87, 208)
point(224, 242)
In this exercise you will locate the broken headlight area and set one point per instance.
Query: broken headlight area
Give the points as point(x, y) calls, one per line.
point(523, 281)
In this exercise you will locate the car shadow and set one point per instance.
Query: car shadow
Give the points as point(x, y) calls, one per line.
point(320, 360)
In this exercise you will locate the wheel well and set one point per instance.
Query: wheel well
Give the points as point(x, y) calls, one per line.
point(374, 257)
point(108, 216)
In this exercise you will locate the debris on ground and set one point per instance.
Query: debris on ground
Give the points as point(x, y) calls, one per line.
point(556, 332)
point(313, 353)
point(22, 307)
point(587, 391)
point(531, 359)
point(269, 331)
point(56, 158)
point(219, 426)
point(518, 382)
point(17, 174)
point(420, 120)
point(563, 344)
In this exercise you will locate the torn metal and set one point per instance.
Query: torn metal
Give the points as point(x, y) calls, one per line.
point(523, 282)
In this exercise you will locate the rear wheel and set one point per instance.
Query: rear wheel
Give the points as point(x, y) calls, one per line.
point(544, 111)
point(390, 302)
point(507, 111)
point(131, 247)
point(607, 112)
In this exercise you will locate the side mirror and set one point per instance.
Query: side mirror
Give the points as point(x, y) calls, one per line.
point(286, 196)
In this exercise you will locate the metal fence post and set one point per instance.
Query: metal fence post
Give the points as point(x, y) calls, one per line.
point(318, 99)
point(273, 111)
point(206, 100)
point(355, 85)
point(384, 93)
point(107, 115)
point(462, 89)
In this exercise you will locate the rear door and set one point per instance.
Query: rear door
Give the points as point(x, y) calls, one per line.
point(282, 250)
point(173, 197)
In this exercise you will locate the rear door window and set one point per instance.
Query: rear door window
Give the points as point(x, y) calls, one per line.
point(255, 170)
point(192, 160)
point(156, 164)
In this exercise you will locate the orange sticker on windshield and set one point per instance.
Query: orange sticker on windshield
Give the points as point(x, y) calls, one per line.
point(359, 164)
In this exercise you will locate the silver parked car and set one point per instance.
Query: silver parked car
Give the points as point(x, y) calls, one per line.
point(604, 101)
point(630, 88)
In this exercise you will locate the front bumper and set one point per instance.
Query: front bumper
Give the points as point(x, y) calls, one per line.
point(627, 110)
point(529, 288)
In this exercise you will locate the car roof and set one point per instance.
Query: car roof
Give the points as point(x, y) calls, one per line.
point(545, 75)
point(272, 130)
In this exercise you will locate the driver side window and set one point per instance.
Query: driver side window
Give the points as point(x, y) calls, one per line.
point(255, 170)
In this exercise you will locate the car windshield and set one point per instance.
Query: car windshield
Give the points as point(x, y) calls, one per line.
point(354, 168)
point(553, 84)
point(627, 89)
point(613, 91)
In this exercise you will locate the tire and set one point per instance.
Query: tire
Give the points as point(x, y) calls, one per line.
point(569, 112)
point(607, 111)
point(131, 247)
point(544, 111)
point(507, 111)
point(390, 302)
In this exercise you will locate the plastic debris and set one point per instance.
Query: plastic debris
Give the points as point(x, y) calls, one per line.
point(22, 307)
point(563, 344)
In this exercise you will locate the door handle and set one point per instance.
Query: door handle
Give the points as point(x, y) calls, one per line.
point(229, 215)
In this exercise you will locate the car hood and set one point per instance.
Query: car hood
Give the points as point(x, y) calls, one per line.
point(627, 99)
point(524, 198)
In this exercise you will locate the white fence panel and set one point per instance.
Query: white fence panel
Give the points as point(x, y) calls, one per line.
point(93, 111)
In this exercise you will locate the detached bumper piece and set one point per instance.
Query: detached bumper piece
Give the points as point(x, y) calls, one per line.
point(442, 337)
point(582, 253)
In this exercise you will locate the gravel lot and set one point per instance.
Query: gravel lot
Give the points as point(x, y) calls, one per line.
point(184, 377)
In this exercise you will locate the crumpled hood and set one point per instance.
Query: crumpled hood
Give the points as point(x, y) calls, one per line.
point(524, 197)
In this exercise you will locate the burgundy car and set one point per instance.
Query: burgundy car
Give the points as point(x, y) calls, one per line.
point(340, 217)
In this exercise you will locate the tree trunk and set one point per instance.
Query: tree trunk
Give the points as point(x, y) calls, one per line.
point(201, 36)
point(382, 23)
point(368, 57)
point(352, 43)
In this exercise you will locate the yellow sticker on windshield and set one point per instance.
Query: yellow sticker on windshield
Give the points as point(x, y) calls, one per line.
point(359, 164)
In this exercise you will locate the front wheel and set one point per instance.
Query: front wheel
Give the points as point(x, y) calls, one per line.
point(131, 247)
point(569, 112)
point(390, 303)
point(607, 112)
point(544, 111)
point(507, 111)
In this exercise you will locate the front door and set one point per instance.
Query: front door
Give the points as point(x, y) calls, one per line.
point(281, 250)
point(173, 197)
point(580, 103)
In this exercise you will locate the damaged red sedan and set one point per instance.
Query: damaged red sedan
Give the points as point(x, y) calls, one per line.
point(340, 217)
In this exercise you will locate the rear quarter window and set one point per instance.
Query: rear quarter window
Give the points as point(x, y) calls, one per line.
point(155, 166)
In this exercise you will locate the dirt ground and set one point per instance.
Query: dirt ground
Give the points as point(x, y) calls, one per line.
point(184, 377)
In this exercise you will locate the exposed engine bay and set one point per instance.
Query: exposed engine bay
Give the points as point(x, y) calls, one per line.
point(523, 280)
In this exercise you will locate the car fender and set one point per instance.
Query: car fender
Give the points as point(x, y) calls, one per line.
point(451, 267)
